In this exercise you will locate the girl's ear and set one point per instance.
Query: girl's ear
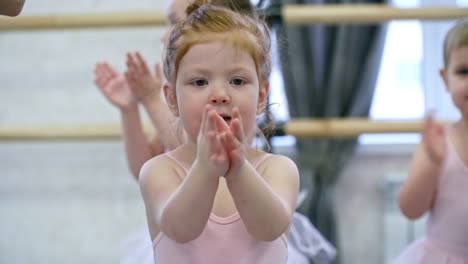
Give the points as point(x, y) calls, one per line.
point(263, 96)
point(171, 98)
point(443, 75)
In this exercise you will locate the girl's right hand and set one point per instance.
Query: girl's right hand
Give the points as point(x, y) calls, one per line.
point(113, 86)
point(434, 140)
point(211, 154)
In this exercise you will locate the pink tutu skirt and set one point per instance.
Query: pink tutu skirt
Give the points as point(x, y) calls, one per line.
point(427, 251)
point(137, 248)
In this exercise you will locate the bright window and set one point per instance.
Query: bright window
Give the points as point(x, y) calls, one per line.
point(277, 97)
point(398, 94)
point(279, 106)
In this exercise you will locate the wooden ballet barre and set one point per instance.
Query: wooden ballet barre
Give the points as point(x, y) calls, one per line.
point(61, 132)
point(97, 20)
point(302, 128)
point(290, 14)
point(347, 128)
point(365, 13)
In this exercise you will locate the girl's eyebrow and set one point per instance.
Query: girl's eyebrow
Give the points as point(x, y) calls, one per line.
point(460, 64)
point(197, 70)
point(202, 69)
point(238, 68)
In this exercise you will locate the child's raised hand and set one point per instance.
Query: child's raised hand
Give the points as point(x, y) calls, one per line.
point(113, 86)
point(142, 83)
point(434, 140)
point(211, 152)
point(233, 140)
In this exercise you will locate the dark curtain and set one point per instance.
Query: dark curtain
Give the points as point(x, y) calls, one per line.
point(328, 71)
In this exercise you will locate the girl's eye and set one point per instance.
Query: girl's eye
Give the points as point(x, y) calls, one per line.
point(200, 82)
point(237, 81)
point(463, 71)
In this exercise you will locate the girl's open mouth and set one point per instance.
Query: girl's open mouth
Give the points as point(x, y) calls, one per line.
point(226, 118)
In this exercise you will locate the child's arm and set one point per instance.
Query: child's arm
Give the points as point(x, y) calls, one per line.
point(114, 87)
point(181, 210)
point(147, 88)
point(164, 121)
point(266, 204)
point(11, 7)
point(418, 192)
point(137, 148)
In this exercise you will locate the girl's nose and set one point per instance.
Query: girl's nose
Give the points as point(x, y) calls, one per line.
point(219, 100)
point(220, 96)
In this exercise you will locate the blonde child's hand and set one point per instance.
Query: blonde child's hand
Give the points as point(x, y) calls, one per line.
point(434, 141)
point(211, 153)
point(233, 141)
point(142, 83)
point(113, 86)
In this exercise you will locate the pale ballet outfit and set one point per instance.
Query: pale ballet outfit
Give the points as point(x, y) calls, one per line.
point(446, 239)
point(224, 240)
point(306, 245)
point(225, 235)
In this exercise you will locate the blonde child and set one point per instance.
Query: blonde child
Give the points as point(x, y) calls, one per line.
point(215, 198)
point(438, 179)
point(138, 86)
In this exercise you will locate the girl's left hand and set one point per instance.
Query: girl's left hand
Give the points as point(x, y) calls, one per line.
point(144, 86)
point(232, 137)
point(434, 141)
point(211, 154)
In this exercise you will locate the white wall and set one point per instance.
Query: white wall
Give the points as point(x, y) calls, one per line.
point(47, 76)
point(371, 227)
point(66, 202)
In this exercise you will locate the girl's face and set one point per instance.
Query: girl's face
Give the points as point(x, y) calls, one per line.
point(218, 74)
point(455, 76)
point(175, 13)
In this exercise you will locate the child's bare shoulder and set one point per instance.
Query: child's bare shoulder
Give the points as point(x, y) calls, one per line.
point(158, 168)
point(276, 162)
point(275, 158)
